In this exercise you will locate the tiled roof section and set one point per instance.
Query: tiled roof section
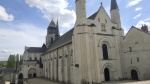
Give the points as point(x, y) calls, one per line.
point(114, 4)
point(36, 49)
point(92, 17)
point(64, 39)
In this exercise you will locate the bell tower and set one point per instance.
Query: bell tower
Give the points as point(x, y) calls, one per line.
point(52, 33)
point(115, 15)
point(80, 11)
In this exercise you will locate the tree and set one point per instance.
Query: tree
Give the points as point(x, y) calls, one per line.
point(21, 59)
point(11, 61)
point(17, 60)
point(14, 61)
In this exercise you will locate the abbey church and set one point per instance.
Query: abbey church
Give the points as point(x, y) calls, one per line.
point(94, 51)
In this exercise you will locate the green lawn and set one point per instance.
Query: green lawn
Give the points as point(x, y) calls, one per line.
point(4, 63)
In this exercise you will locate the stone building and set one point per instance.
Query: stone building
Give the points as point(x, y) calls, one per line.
point(95, 50)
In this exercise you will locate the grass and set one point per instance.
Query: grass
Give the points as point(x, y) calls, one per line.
point(3, 63)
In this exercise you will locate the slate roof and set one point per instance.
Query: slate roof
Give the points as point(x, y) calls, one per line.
point(53, 28)
point(92, 17)
point(64, 39)
point(37, 49)
point(114, 4)
point(52, 24)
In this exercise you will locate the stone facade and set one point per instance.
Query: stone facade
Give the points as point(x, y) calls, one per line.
point(95, 50)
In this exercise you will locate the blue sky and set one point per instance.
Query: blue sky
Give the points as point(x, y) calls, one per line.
point(24, 22)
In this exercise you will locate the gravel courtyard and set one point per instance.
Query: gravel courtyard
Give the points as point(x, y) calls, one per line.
point(45, 81)
point(40, 81)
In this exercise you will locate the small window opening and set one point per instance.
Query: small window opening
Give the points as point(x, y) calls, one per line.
point(98, 19)
point(106, 20)
point(138, 60)
point(130, 49)
point(103, 26)
point(51, 40)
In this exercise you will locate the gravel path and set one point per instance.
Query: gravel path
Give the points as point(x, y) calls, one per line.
point(40, 81)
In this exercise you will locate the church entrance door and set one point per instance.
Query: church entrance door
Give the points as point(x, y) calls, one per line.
point(34, 75)
point(134, 75)
point(20, 78)
point(107, 74)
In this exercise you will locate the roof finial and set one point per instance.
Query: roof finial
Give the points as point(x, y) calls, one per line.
point(101, 4)
point(52, 17)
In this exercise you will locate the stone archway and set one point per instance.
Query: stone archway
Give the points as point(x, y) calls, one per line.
point(32, 73)
point(134, 75)
point(108, 71)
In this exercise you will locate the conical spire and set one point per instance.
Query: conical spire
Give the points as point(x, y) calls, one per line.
point(52, 24)
point(114, 5)
point(57, 30)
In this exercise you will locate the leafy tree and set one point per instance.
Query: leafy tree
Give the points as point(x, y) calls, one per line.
point(21, 59)
point(11, 61)
point(14, 61)
point(17, 60)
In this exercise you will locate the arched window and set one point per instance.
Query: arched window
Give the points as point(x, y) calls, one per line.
point(105, 51)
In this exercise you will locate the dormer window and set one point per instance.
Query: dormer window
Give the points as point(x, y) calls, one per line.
point(103, 26)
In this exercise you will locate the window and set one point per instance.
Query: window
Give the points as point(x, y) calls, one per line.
point(40, 60)
point(30, 58)
point(106, 20)
point(28, 65)
point(51, 40)
point(130, 49)
point(105, 52)
point(103, 26)
point(98, 19)
point(138, 60)
point(131, 61)
point(35, 58)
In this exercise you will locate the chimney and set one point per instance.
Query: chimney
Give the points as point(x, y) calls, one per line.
point(144, 28)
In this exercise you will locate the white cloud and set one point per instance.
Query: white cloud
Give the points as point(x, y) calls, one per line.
point(143, 22)
point(137, 16)
point(13, 38)
point(148, 19)
point(138, 9)
point(4, 51)
point(55, 9)
point(133, 2)
point(4, 16)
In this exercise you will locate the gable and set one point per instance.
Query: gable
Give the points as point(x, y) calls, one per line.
point(137, 40)
point(135, 32)
point(101, 14)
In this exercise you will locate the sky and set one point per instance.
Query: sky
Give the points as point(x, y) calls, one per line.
point(24, 22)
